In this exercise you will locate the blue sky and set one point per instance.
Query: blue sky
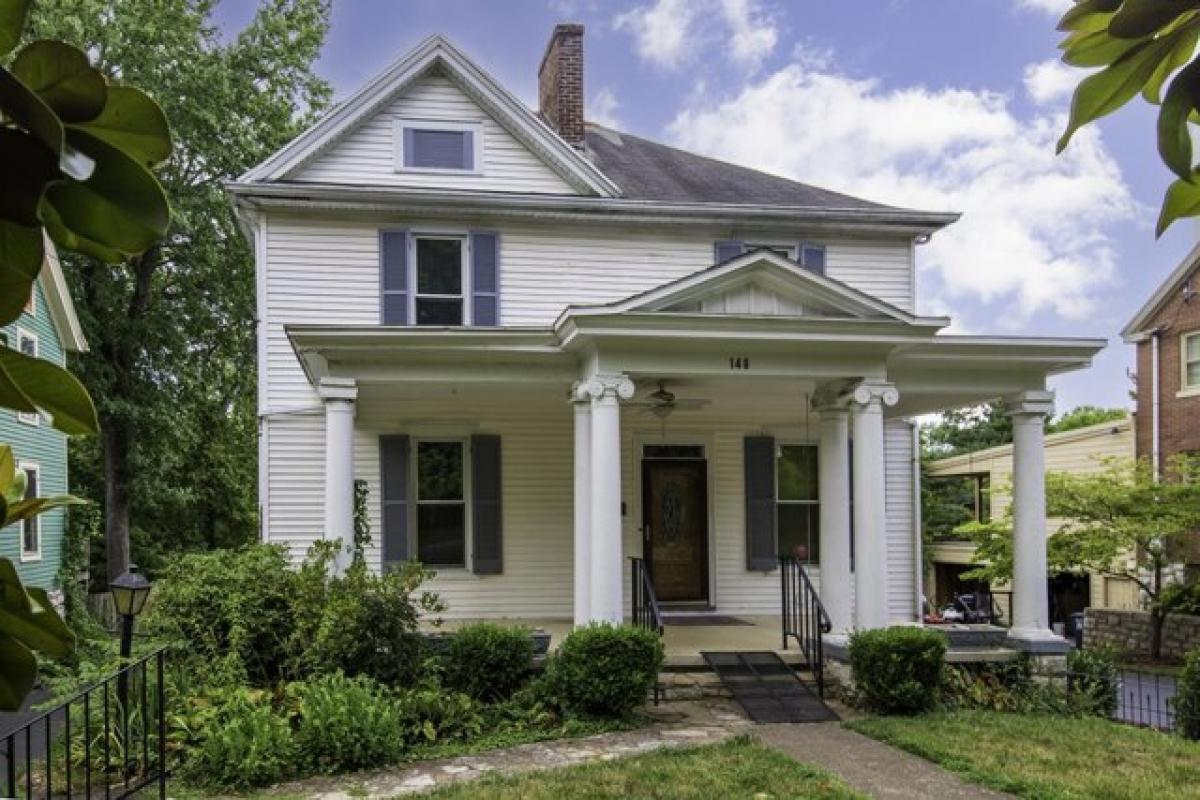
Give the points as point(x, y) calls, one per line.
point(940, 104)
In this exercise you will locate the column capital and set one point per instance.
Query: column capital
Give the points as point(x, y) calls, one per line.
point(337, 389)
point(832, 396)
point(618, 386)
point(1033, 402)
point(874, 393)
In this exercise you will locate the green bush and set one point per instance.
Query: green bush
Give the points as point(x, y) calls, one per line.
point(604, 670)
point(1093, 680)
point(1180, 598)
point(242, 743)
point(488, 662)
point(345, 723)
point(1187, 696)
point(429, 714)
point(898, 670)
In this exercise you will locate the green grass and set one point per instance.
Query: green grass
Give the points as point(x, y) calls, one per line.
point(1048, 757)
point(739, 768)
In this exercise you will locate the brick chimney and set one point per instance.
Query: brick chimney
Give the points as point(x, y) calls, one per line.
point(560, 83)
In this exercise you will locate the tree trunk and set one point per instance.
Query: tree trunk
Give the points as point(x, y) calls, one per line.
point(116, 497)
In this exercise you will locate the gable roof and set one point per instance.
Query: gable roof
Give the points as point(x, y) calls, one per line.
point(59, 303)
point(437, 53)
point(1138, 327)
point(647, 170)
point(759, 262)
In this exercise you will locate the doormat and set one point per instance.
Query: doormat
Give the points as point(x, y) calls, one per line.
point(768, 689)
point(684, 620)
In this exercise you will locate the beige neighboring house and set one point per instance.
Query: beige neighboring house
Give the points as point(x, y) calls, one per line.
point(1080, 451)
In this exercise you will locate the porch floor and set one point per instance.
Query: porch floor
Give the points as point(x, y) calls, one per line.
point(683, 643)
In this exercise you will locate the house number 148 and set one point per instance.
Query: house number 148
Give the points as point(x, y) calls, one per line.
point(739, 362)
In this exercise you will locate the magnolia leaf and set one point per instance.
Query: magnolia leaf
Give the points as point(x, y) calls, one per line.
point(1088, 15)
point(27, 509)
point(18, 668)
point(62, 76)
point(50, 388)
point(28, 169)
point(118, 212)
point(11, 395)
point(1180, 55)
point(8, 468)
point(1174, 138)
point(1095, 48)
point(1182, 200)
point(24, 107)
point(21, 254)
point(14, 492)
point(1137, 18)
point(37, 626)
point(12, 22)
point(134, 123)
point(1112, 87)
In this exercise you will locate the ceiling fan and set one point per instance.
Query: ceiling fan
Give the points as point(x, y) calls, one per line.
point(662, 402)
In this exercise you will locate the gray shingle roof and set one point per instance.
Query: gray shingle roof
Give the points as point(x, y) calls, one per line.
point(647, 170)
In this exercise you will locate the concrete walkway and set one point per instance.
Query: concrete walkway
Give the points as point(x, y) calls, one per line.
point(871, 767)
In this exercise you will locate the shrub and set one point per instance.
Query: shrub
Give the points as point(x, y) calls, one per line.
point(346, 723)
point(1092, 680)
point(430, 714)
point(242, 743)
point(488, 662)
point(897, 670)
point(604, 670)
point(1187, 697)
point(1180, 598)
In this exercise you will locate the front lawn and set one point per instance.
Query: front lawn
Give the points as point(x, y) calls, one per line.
point(738, 768)
point(1041, 756)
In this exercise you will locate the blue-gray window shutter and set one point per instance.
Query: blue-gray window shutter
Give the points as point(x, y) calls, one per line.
point(393, 480)
point(487, 542)
point(723, 251)
point(485, 278)
point(759, 457)
point(393, 277)
point(812, 257)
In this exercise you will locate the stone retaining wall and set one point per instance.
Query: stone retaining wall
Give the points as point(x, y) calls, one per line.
point(1130, 632)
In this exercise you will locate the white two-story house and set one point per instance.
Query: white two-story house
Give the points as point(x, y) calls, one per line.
point(548, 347)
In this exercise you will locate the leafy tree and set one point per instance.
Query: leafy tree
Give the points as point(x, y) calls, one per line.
point(1120, 522)
point(966, 430)
point(172, 336)
point(1141, 46)
point(76, 153)
point(1083, 416)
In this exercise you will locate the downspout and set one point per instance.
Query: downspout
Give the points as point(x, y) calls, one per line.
point(1155, 402)
point(919, 544)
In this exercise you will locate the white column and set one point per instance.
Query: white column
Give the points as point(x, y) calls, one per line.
point(1030, 606)
point(339, 395)
point(834, 487)
point(607, 575)
point(870, 529)
point(583, 503)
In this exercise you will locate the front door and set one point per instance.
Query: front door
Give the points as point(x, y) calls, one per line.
point(675, 528)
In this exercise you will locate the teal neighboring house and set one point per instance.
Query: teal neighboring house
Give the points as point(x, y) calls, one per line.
point(48, 328)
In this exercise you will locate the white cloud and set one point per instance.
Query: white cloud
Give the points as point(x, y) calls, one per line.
point(674, 33)
point(1055, 7)
point(1052, 80)
point(1034, 232)
point(602, 109)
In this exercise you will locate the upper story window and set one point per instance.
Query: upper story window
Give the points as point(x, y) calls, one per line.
point(1189, 346)
point(441, 277)
point(438, 146)
point(27, 343)
point(797, 504)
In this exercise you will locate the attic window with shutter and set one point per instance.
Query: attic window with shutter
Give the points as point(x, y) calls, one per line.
point(437, 146)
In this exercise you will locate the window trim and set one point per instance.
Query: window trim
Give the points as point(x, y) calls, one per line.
point(779, 445)
point(415, 123)
point(467, 296)
point(1186, 389)
point(24, 417)
point(35, 521)
point(793, 248)
point(415, 493)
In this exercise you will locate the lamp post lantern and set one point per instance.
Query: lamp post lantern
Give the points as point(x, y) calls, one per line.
point(129, 592)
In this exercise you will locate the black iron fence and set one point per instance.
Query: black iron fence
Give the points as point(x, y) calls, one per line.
point(1131, 696)
point(804, 618)
point(646, 613)
point(109, 740)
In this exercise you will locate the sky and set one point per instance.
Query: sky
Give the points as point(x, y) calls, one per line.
point(932, 104)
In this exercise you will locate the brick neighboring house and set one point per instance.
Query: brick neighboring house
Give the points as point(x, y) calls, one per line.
point(1166, 332)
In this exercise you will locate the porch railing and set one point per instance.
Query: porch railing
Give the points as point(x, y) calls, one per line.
point(646, 613)
point(804, 618)
point(109, 740)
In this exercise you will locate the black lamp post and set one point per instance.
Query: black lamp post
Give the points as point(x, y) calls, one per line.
point(129, 593)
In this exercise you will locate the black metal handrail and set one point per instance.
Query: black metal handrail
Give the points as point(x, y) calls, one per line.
point(108, 740)
point(804, 618)
point(646, 613)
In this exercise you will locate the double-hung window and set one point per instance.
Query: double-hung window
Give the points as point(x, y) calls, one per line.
point(441, 503)
point(441, 271)
point(1189, 345)
point(438, 146)
point(27, 343)
point(797, 502)
point(31, 530)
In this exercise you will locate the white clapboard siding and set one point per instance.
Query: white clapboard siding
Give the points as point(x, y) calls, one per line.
point(367, 155)
point(901, 549)
point(323, 271)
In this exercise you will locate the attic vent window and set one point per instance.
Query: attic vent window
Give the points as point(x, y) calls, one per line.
point(437, 146)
